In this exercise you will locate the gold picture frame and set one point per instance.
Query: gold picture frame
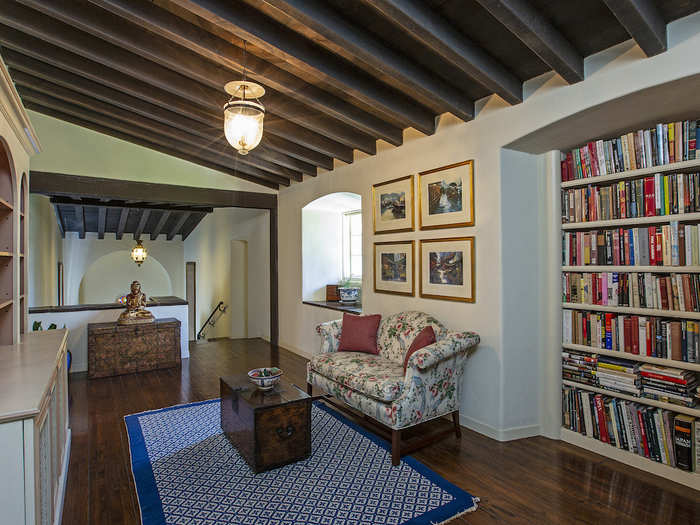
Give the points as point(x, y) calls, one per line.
point(428, 201)
point(437, 285)
point(395, 286)
point(384, 211)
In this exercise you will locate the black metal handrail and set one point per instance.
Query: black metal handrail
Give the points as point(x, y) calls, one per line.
point(221, 307)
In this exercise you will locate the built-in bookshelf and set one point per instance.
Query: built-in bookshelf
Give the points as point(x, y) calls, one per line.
point(646, 183)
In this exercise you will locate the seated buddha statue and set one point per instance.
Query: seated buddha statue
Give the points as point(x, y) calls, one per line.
point(135, 307)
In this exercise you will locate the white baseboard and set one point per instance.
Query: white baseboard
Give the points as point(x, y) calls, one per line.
point(303, 353)
point(505, 434)
point(62, 481)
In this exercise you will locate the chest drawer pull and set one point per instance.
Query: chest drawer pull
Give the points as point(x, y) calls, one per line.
point(285, 433)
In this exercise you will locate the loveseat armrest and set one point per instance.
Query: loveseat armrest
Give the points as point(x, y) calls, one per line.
point(330, 335)
point(452, 344)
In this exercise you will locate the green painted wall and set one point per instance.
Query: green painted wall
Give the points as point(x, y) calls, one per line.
point(68, 148)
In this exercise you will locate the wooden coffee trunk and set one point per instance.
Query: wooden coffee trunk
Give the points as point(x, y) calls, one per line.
point(268, 429)
point(123, 349)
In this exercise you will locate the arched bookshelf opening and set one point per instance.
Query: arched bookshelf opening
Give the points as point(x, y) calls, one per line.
point(6, 247)
point(23, 207)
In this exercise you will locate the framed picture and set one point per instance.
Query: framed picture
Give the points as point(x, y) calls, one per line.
point(446, 196)
point(394, 267)
point(447, 269)
point(392, 205)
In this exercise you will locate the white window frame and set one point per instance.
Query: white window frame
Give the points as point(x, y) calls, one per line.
point(346, 248)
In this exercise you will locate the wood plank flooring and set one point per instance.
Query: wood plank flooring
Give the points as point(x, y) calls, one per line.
point(533, 480)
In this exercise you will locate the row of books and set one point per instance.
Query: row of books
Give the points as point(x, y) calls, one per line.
point(678, 340)
point(652, 196)
point(661, 383)
point(676, 291)
point(671, 244)
point(660, 435)
point(645, 148)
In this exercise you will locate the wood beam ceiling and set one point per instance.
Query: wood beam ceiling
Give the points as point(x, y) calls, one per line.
point(431, 30)
point(338, 75)
point(643, 22)
point(536, 32)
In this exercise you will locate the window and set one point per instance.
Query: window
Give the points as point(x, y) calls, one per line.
point(352, 245)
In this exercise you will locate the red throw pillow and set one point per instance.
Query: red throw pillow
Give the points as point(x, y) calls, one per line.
point(424, 338)
point(359, 333)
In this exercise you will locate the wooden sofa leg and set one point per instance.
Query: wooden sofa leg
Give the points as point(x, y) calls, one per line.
point(395, 447)
point(455, 419)
point(309, 388)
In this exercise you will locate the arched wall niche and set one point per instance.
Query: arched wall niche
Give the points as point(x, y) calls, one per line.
point(94, 289)
point(7, 243)
point(322, 222)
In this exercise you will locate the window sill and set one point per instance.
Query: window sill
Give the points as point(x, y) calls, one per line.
point(355, 309)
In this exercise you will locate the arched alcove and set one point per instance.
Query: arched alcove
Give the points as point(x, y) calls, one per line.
point(7, 188)
point(121, 271)
point(331, 242)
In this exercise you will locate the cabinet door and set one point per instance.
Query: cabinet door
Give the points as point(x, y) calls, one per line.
point(12, 469)
point(44, 470)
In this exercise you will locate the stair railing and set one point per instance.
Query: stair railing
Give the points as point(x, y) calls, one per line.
point(214, 316)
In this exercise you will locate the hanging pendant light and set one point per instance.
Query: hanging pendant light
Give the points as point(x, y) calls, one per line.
point(243, 114)
point(138, 253)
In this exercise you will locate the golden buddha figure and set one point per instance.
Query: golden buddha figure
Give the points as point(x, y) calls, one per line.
point(136, 312)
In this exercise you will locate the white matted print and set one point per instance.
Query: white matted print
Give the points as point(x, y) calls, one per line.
point(447, 269)
point(394, 267)
point(447, 196)
point(392, 205)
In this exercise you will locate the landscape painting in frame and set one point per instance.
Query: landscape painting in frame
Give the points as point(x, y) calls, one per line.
point(447, 196)
point(392, 204)
point(447, 269)
point(394, 267)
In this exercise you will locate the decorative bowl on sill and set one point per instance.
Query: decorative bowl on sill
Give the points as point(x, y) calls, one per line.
point(349, 295)
point(265, 378)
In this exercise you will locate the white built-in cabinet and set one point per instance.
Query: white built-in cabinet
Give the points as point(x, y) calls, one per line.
point(34, 431)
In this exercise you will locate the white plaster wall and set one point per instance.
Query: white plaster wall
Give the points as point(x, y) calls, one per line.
point(322, 241)
point(45, 250)
point(210, 247)
point(80, 254)
point(498, 400)
point(77, 322)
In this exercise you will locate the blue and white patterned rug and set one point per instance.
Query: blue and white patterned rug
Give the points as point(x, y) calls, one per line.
point(186, 471)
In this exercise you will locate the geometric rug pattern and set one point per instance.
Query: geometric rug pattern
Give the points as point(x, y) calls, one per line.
point(186, 471)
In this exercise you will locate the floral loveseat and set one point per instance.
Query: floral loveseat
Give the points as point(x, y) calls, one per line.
point(376, 384)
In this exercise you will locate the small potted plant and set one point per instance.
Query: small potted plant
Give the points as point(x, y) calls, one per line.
point(349, 291)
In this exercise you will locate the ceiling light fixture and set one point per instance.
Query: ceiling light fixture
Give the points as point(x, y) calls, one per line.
point(138, 253)
point(243, 114)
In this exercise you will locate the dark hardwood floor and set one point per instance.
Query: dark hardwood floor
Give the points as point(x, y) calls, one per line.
point(533, 480)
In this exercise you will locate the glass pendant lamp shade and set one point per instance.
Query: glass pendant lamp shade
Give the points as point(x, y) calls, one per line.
point(138, 253)
point(243, 116)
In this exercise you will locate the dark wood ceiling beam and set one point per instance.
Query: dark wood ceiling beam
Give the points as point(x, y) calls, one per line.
point(192, 225)
point(355, 43)
point(643, 22)
point(178, 225)
point(59, 221)
point(123, 216)
point(104, 119)
point(84, 29)
point(84, 186)
point(297, 151)
point(216, 49)
point(160, 225)
point(101, 221)
point(537, 33)
point(29, 71)
point(32, 87)
point(143, 219)
point(173, 151)
point(80, 220)
point(247, 23)
point(43, 51)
